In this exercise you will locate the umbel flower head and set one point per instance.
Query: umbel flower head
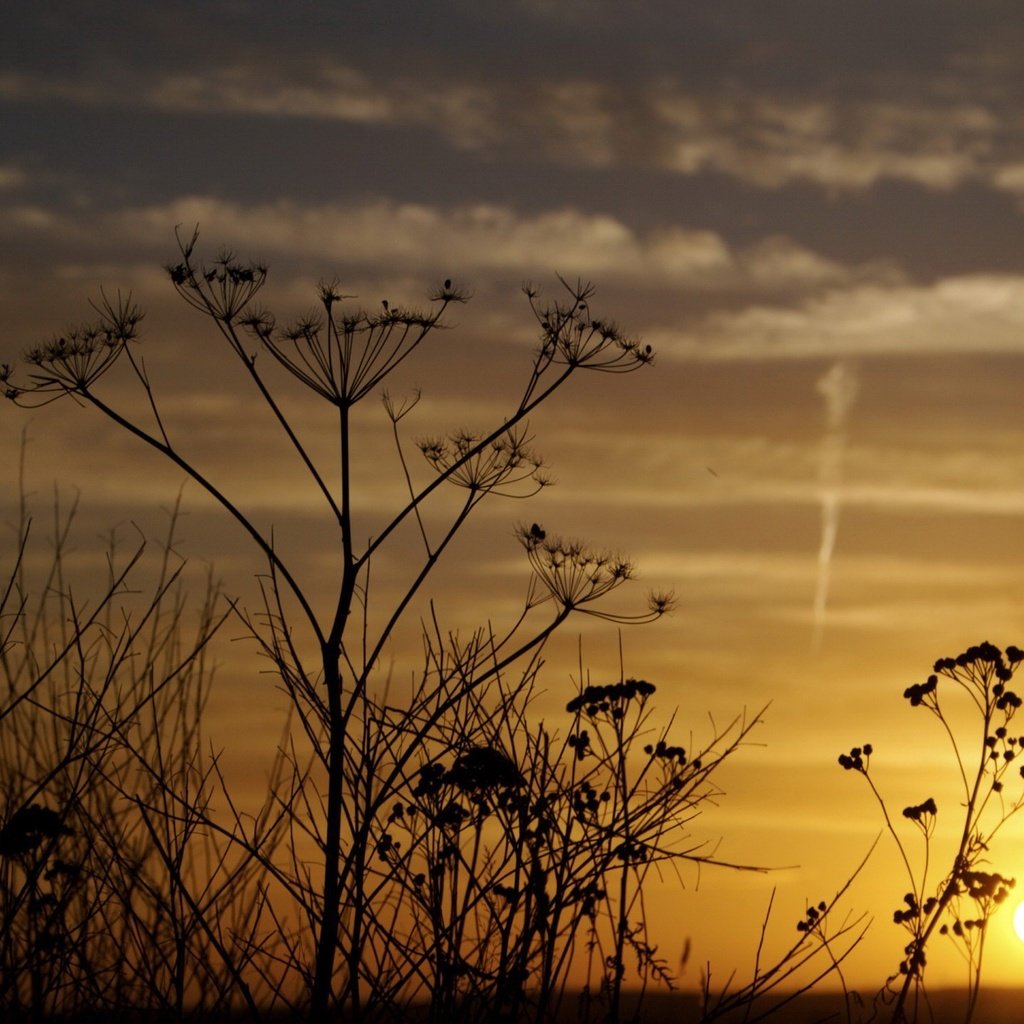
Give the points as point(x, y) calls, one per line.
point(983, 671)
point(223, 288)
point(573, 575)
point(495, 468)
point(73, 361)
point(344, 354)
point(858, 759)
point(28, 828)
point(611, 699)
point(572, 336)
point(923, 815)
point(485, 768)
point(341, 354)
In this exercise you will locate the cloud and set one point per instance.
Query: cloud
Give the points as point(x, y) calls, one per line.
point(778, 263)
point(463, 112)
point(794, 574)
point(975, 473)
point(474, 238)
point(11, 176)
point(338, 93)
point(764, 139)
point(964, 313)
point(772, 299)
point(848, 145)
point(16, 87)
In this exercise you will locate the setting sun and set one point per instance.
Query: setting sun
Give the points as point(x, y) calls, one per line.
point(1018, 920)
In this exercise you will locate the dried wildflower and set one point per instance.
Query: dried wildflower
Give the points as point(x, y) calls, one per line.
point(452, 815)
point(259, 321)
point(923, 815)
point(450, 291)
point(485, 768)
point(661, 602)
point(858, 759)
point(498, 466)
point(28, 828)
point(223, 288)
point(329, 293)
point(918, 692)
point(572, 574)
point(595, 700)
point(72, 362)
point(343, 355)
point(586, 800)
point(813, 917)
point(1008, 700)
point(580, 742)
point(431, 779)
point(912, 911)
point(665, 752)
point(987, 885)
point(983, 672)
point(572, 336)
point(918, 811)
point(631, 851)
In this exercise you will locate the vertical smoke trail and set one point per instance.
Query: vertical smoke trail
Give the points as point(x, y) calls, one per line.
point(839, 389)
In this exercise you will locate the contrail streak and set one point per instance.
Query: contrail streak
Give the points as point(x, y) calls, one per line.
point(839, 389)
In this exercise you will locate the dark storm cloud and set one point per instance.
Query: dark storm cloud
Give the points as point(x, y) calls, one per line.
point(787, 44)
point(696, 86)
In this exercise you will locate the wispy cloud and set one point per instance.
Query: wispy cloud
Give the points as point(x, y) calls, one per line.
point(11, 176)
point(965, 313)
point(474, 237)
point(764, 139)
point(337, 93)
point(982, 474)
point(847, 145)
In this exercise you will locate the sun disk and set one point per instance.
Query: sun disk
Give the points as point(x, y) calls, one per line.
point(1018, 921)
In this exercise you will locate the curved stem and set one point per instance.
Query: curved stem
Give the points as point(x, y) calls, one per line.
point(218, 496)
point(413, 505)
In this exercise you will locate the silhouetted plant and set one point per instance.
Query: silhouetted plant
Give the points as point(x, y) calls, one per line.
point(516, 849)
point(112, 895)
point(343, 355)
point(461, 852)
point(631, 810)
point(960, 904)
point(823, 946)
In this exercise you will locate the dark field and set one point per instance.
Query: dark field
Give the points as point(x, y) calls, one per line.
point(996, 1006)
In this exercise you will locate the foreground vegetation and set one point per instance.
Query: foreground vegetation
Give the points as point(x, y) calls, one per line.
point(440, 852)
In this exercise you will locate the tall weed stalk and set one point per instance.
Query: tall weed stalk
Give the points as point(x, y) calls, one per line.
point(434, 844)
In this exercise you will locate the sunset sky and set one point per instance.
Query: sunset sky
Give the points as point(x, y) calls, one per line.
point(813, 211)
